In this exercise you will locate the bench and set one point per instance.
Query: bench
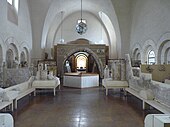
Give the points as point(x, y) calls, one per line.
point(4, 104)
point(23, 89)
point(113, 84)
point(157, 105)
point(46, 84)
point(23, 94)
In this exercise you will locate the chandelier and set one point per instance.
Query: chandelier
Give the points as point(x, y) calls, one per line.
point(81, 27)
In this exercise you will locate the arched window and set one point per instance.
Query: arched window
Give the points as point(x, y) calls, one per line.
point(151, 57)
point(12, 12)
point(14, 3)
point(10, 1)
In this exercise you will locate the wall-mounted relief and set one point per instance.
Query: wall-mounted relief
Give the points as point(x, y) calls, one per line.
point(149, 69)
point(161, 68)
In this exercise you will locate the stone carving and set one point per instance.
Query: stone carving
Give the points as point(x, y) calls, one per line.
point(16, 76)
point(123, 70)
point(65, 51)
point(136, 71)
point(118, 68)
point(106, 72)
point(144, 81)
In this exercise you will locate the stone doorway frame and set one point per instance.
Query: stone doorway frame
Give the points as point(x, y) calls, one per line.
point(84, 49)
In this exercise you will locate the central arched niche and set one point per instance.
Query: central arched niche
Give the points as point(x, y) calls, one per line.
point(62, 52)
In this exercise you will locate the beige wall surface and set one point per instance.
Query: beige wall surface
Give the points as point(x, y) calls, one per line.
point(159, 72)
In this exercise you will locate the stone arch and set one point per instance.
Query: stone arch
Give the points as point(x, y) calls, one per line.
point(136, 52)
point(167, 55)
point(26, 50)
point(162, 45)
point(148, 45)
point(84, 49)
point(12, 43)
point(163, 49)
point(12, 55)
point(24, 55)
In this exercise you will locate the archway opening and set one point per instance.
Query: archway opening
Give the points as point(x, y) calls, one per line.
point(81, 62)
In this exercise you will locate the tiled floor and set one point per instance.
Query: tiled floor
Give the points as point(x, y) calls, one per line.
point(78, 108)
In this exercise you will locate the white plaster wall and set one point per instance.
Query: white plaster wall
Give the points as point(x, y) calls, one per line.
point(38, 11)
point(150, 21)
point(20, 33)
point(123, 10)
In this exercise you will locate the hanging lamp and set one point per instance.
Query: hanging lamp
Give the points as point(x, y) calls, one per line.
point(81, 27)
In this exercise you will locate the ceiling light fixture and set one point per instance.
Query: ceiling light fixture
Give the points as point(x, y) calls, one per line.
point(81, 27)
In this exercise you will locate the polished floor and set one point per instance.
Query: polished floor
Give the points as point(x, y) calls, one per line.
point(78, 108)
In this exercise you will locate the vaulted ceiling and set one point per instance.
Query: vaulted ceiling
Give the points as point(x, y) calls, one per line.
point(49, 13)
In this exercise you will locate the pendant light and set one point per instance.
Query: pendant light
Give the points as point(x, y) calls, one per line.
point(81, 27)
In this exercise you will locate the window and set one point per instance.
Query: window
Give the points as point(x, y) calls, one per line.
point(14, 3)
point(151, 57)
point(12, 12)
point(10, 1)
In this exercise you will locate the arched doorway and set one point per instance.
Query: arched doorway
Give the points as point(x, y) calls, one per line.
point(93, 65)
point(81, 62)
